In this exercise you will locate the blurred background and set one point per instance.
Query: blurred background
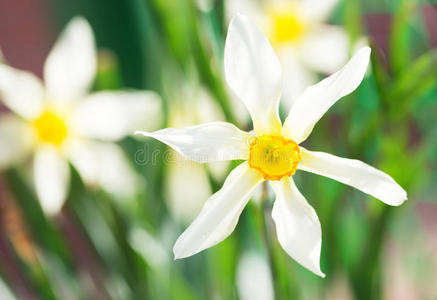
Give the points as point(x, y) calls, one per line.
point(102, 247)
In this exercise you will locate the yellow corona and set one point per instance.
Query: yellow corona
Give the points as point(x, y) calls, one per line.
point(286, 27)
point(274, 156)
point(50, 128)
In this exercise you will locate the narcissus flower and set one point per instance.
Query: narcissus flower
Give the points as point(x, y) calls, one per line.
point(61, 122)
point(272, 152)
point(301, 37)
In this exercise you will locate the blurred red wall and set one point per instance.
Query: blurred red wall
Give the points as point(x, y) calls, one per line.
point(25, 36)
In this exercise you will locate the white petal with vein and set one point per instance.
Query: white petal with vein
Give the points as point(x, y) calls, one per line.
point(208, 142)
point(297, 225)
point(220, 214)
point(317, 99)
point(253, 72)
point(354, 173)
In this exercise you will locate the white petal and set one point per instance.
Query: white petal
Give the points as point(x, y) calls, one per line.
point(21, 91)
point(15, 140)
point(220, 214)
point(71, 65)
point(104, 165)
point(317, 10)
point(317, 99)
point(253, 72)
point(52, 178)
point(208, 142)
point(114, 115)
point(354, 173)
point(297, 225)
point(325, 49)
point(254, 278)
point(185, 204)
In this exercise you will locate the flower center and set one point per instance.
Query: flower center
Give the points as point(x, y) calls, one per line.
point(274, 156)
point(50, 128)
point(286, 26)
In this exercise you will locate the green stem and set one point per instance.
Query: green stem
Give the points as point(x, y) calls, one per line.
point(269, 251)
point(280, 273)
point(367, 277)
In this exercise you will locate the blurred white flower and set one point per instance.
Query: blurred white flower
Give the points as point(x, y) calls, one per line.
point(303, 40)
point(254, 279)
point(149, 247)
point(61, 122)
point(191, 105)
point(272, 152)
point(204, 5)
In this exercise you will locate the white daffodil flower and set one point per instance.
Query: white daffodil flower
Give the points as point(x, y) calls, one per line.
point(303, 40)
point(272, 152)
point(61, 122)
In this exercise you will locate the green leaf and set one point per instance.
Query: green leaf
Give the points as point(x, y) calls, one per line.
point(399, 38)
point(107, 231)
point(352, 19)
point(416, 79)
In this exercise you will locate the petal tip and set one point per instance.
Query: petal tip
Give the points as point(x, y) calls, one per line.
point(80, 20)
point(238, 15)
point(80, 24)
point(315, 268)
point(364, 52)
point(179, 253)
point(320, 273)
point(367, 49)
point(402, 199)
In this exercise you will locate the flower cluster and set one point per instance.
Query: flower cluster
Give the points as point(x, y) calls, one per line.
point(61, 122)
